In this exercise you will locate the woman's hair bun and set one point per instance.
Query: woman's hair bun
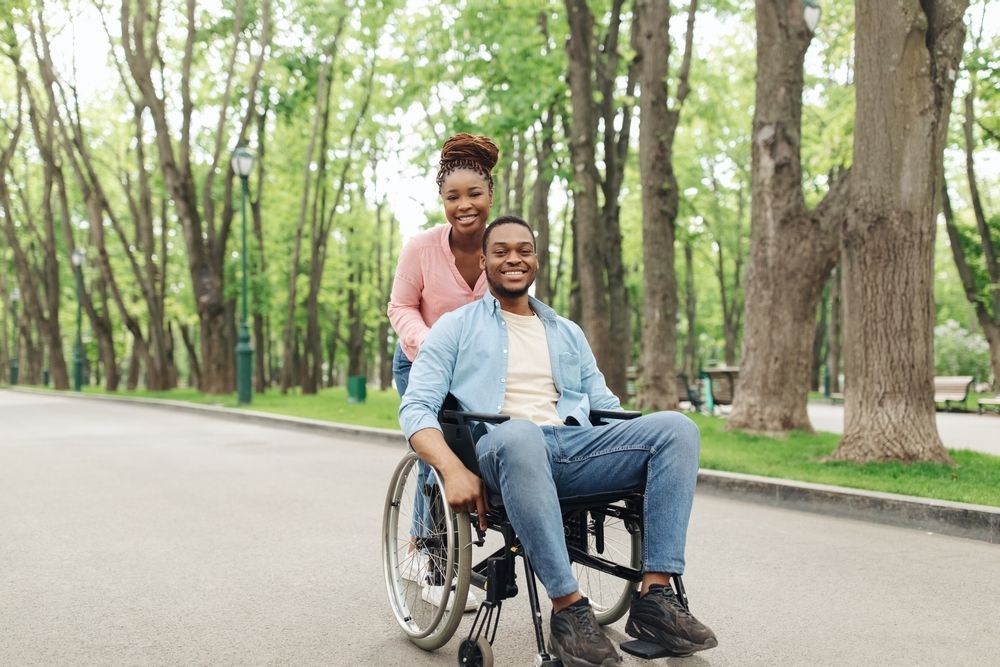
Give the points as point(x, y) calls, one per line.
point(463, 146)
point(468, 151)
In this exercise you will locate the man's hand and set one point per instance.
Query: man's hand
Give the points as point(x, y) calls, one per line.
point(465, 492)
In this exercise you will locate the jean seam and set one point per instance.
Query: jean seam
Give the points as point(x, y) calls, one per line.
point(616, 450)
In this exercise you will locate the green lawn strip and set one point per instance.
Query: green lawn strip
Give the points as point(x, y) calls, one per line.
point(797, 457)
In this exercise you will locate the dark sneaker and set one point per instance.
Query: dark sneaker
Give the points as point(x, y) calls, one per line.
point(577, 639)
point(660, 618)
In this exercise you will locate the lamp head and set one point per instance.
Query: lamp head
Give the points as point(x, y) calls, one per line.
point(15, 294)
point(811, 13)
point(78, 257)
point(242, 161)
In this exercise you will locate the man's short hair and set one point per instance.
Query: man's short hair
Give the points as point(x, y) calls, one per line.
point(505, 220)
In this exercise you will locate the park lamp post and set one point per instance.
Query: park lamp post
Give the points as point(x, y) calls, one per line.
point(242, 163)
point(77, 258)
point(15, 296)
point(811, 13)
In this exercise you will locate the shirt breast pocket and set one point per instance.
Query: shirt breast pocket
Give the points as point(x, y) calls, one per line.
point(569, 366)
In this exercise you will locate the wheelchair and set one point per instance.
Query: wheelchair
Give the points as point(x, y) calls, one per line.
point(428, 562)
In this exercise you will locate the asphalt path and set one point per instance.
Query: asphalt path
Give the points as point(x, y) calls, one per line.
point(137, 536)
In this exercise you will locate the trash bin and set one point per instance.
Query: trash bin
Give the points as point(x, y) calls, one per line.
point(357, 389)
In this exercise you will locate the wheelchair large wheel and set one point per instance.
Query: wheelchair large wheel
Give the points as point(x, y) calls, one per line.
point(615, 539)
point(426, 555)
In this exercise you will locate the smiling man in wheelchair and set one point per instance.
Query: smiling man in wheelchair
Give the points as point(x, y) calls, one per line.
point(510, 354)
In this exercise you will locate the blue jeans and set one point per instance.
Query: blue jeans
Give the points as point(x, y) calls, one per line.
point(532, 466)
point(421, 514)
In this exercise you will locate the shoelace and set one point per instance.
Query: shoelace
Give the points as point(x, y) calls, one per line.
point(584, 621)
point(671, 598)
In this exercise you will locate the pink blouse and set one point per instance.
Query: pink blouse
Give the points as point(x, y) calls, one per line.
point(427, 285)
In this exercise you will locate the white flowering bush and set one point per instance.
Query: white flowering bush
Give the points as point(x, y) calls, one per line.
point(958, 351)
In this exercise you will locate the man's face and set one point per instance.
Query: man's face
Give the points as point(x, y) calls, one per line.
point(510, 261)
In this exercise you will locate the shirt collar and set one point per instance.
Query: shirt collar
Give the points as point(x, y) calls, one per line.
point(543, 311)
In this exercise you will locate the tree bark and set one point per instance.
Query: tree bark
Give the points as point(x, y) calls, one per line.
point(589, 238)
point(792, 248)
point(906, 61)
point(691, 314)
point(833, 335)
point(660, 199)
point(539, 216)
point(205, 237)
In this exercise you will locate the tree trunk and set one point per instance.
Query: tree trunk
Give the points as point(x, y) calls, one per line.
point(194, 366)
point(206, 237)
point(589, 237)
point(521, 163)
point(833, 335)
point(658, 123)
point(888, 253)
point(691, 307)
point(819, 340)
point(792, 249)
point(259, 341)
point(539, 216)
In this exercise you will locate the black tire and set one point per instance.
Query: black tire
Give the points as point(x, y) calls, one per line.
point(444, 548)
point(477, 653)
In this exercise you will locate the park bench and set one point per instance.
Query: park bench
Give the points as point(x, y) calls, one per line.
point(952, 389)
point(984, 403)
point(721, 385)
point(687, 394)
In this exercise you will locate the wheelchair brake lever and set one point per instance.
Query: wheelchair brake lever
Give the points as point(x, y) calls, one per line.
point(480, 533)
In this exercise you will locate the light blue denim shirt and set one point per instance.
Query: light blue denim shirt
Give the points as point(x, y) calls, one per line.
point(465, 354)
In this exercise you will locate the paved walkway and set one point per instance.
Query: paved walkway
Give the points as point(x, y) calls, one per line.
point(959, 430)
point(131, 535)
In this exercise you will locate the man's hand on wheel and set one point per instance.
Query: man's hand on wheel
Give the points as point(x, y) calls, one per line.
point(465, 492)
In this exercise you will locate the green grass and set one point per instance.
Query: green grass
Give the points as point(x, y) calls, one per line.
point(976, 479)
point(378, 411)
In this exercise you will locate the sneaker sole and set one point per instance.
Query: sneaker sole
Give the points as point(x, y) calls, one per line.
point(677, 646)
point(572, 661)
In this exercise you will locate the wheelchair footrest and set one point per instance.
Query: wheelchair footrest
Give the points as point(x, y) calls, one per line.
point(645, 650)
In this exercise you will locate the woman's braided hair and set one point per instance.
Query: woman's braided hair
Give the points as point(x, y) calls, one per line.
point(466, 151)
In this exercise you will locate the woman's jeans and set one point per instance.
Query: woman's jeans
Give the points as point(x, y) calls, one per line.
point(532, 466)
point(420, 526)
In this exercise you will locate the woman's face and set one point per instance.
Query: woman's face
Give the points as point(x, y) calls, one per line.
point(467, 201)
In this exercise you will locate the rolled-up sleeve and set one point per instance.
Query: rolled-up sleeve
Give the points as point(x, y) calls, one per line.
point(404, 301)
point(430, 378)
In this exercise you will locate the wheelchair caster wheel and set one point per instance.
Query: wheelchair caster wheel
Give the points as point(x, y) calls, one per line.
point(477, 653)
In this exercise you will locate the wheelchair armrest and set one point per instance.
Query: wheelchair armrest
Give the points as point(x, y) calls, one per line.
point(597, 415)
point(463, 417)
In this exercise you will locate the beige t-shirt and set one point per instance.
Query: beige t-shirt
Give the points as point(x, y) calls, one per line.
point(530, 392)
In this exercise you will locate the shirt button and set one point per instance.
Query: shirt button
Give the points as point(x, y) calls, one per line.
point(505, 350)
point(503, 379)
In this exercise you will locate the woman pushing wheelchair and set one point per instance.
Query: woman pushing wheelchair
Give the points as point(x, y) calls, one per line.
point(509, 353)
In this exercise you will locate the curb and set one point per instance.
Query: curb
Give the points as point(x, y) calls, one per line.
point(977, 522)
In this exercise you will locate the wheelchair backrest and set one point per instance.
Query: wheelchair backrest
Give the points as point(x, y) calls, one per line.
point(458, 433)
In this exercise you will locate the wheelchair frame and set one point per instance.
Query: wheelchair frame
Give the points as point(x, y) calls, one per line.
point(583, 518)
